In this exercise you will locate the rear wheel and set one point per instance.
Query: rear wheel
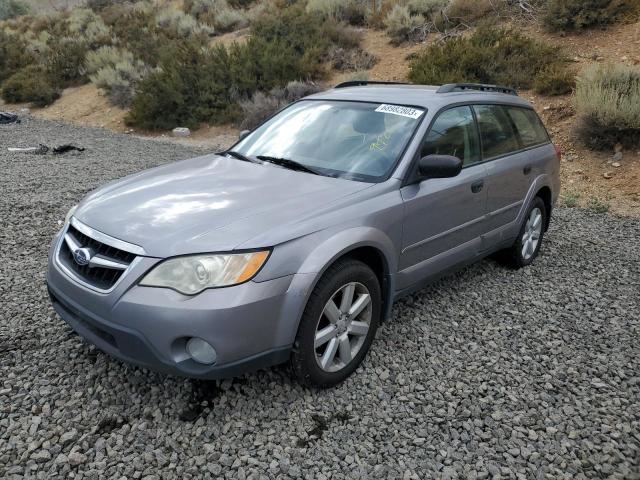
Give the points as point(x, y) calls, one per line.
point(527, 246)
point(338, 324)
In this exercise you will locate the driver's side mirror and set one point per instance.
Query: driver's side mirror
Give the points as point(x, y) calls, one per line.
point(439, 166)
point(243, 134)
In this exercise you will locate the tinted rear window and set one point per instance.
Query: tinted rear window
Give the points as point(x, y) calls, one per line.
point(528, 125)
point(496, 132)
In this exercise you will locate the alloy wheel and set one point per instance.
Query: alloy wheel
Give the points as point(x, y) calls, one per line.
point(342, 327)
point(532, 233)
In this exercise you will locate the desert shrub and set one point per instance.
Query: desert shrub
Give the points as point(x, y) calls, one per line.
point(489, 55)
point(119, 81)
point(100, 5)
point(350, 59)
point(117, 72)
point(84, 24)
point(467, 12)
point(12, 8)
point(608, 106)
point(182, 24)
point(427, 8)
point(31, 84)
point(353, 12)
point(308, 36)
point(14, 55)
point(65, 62)
point(192, 86)
point(195, 84)
point(262, 105)
point(229, 19)
point(105, 57)
point(217, 13)
point(578, 14)
point(401, 25)
point(555, 79)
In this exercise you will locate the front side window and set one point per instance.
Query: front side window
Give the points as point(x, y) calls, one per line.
point(453, 133)
point(496, 132)
point(528, 125)
point(352, 140)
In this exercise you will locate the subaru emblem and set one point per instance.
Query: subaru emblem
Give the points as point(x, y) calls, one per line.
point(82, 256)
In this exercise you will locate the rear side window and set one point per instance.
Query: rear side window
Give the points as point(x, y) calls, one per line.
point(496, 132)
point(528, 125)
point(453, 133)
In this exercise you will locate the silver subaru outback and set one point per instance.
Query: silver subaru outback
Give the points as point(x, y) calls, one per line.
point(293, 245)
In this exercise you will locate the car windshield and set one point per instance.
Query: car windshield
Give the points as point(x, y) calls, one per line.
point(353, 140)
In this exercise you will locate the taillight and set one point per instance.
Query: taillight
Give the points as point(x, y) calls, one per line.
point(558, 152)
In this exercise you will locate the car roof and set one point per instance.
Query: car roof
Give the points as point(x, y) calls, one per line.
point(425, 96)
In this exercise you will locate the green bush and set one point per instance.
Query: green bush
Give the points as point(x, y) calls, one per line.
point(65, 62)
point(85, 26)
point(14, 55)
point(191, 86)
point(12, 8)
point(555, 79)
point(31, 84)
point(578, 14)
point(608, 106)
point(402, 25)
point(117, 72)
point(353, 12)
point(427, 8)
point(489, 55)
point(195, 84)
point(262, 105)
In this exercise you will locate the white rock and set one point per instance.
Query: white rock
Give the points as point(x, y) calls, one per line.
point(181, 132)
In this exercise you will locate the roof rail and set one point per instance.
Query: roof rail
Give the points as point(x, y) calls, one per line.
point(461, 87)
point(361, 83)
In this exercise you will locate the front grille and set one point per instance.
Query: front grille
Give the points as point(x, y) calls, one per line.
point(99, 277)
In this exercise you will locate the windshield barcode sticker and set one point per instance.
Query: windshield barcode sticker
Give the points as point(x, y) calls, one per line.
point(398, 110)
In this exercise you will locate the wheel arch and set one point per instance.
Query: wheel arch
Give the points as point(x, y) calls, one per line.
point(370, 246)
point(545, 194)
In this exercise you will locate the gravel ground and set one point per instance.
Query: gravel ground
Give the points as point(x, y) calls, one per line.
point(489, 373)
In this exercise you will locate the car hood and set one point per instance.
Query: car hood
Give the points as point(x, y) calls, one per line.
point(207, 204)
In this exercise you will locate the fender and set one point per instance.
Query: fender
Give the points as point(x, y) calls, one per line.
point(543, 180)
point(339, 245)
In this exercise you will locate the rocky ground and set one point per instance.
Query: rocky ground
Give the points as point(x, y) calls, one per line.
point(489, 373)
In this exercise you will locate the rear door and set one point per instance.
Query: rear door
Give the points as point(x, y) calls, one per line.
point(508, 134)
point(444, 216)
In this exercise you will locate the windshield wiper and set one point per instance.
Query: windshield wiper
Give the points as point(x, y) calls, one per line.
point(239, 156)
point(287, 163)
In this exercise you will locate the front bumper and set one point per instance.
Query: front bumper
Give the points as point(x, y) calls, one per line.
point(251, 326)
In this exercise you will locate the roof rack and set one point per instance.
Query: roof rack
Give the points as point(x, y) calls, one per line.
point(362, 83)
point(461, 87)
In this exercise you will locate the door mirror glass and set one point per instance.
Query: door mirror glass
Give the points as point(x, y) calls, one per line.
point(439, 166)
point(243, 134)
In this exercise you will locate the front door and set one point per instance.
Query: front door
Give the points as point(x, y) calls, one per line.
point(444, 217)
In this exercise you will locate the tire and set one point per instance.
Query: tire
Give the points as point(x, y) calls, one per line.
point(326, 363)
point(517, 256)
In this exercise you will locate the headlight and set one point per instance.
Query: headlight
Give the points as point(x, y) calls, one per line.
point(193, 274)
point(70, 213)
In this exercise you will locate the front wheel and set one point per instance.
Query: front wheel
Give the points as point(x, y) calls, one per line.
point(527, 246)
point(338, 324)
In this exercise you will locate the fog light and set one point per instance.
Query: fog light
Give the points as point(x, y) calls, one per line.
point(201, 351)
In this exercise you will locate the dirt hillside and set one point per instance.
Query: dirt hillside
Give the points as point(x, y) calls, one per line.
point(592, 179)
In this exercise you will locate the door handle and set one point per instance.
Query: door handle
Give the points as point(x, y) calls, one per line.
point(527, 170)
point(477, 186)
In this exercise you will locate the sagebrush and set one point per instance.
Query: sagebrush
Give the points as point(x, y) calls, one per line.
point(608, 106)
point(489, 55)
point(579, 14)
